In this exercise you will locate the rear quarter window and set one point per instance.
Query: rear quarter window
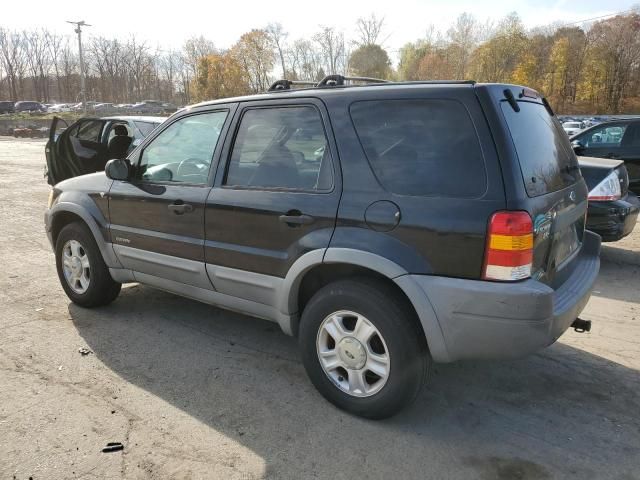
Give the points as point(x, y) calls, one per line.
point(146, 127)
point(423, 147)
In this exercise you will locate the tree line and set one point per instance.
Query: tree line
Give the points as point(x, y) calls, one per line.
point(592, 68)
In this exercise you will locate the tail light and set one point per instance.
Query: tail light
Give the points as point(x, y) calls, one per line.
point(509, 251)
point(607, 189)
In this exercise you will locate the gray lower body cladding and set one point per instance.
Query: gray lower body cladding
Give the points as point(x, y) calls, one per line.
point(482, 320)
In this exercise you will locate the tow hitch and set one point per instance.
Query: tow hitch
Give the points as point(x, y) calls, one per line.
point(581, 326)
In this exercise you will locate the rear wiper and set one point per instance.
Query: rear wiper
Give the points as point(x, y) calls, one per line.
point(508, 94)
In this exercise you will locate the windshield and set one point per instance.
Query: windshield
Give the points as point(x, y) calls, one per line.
point(546, 159)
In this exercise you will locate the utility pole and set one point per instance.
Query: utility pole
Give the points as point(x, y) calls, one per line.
point(78, 30)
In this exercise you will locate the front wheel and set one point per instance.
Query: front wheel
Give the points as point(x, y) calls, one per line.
point(363, 348)
point(83, 274)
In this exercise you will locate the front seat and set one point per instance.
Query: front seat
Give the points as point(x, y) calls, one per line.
point(277, 168)
point(118, 146)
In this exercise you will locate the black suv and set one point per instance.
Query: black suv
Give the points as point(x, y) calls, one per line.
point(387, 226)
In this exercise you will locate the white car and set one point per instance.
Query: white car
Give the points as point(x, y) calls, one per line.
point(573, 128)
point(60, 107)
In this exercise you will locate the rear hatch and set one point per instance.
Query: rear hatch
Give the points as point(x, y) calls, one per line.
point(547, 181)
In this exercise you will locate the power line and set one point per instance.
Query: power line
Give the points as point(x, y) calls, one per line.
point(600, 17)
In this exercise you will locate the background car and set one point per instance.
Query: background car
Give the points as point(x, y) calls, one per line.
point(618, 140)
point(573, 128)
point(86, 145)
point(59, 107)
point(104, 108)
point(148, 107)
point(7, 107)
point(29, 106)
point(613, 209)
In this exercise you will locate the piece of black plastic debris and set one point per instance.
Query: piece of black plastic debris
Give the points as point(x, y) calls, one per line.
point(113, 447)
point(84, 351)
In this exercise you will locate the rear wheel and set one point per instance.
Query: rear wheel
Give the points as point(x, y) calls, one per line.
point(83, 274)
point(362, 347)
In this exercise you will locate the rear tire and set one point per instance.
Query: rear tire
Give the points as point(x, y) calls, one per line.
point(83, 274)
point(379, 361)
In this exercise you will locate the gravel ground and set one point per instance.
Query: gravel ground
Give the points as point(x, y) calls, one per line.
point(196, 392)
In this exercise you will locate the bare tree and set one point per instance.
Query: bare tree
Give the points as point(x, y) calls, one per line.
point(13, 58)
point(54, 43)
point(333, 50)
point(369, 31)
point(194, 49)
point(463, 37)
point(278, 37)
point(39, 62)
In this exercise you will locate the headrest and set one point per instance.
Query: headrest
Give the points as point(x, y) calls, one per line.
point(121, 130)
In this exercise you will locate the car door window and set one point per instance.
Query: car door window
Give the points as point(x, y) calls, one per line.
point(89, 131)
point(283, 148)
point(183, 152)
point(603, 136)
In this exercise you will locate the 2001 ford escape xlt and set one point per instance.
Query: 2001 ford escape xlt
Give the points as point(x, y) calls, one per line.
point(387, 226)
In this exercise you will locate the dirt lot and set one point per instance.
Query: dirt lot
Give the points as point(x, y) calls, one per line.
point(196, 392)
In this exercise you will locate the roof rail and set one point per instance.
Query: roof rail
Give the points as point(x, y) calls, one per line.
point(285, 84)
point(339, 80)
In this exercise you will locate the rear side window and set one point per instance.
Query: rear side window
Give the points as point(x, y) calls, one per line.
point(283, 148)
point(546, 159)
point(421, 147)
point(146, 127)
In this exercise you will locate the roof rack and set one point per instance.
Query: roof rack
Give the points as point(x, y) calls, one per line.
point(339, 80)
point(328, 81)
point(285, 84)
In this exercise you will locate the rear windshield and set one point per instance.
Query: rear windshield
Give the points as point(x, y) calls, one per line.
point(421, 147)
point(546, 159)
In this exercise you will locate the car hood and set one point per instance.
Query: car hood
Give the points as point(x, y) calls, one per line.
point(92, 182)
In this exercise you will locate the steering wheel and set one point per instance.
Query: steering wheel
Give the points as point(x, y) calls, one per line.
point(189, 167)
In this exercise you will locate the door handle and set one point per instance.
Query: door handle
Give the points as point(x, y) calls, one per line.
point(292, 219)
point(180, 208)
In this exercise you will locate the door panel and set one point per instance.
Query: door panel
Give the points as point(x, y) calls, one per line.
point(77, 150)
point(278, 197)
point(244, 230)
point(149, 237)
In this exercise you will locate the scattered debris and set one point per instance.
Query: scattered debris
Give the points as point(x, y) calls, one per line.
point(113, 447)
point(39, 309)
point(84, 351)
point(60, 368)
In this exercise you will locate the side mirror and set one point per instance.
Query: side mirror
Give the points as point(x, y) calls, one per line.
point(117, 169)
point(576, 145)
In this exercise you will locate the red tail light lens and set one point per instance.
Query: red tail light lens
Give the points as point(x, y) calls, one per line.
point(509, 252)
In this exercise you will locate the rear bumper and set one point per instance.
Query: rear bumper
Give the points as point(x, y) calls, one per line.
point(480, 319)
point(613, 220)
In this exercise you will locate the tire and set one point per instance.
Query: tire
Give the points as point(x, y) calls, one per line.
point(90, 284)
point(398, 338)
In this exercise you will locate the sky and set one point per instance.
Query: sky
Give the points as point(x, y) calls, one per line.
point(167, 24)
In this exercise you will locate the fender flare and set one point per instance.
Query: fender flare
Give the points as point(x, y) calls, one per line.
point(288, 298)
point(106, 248)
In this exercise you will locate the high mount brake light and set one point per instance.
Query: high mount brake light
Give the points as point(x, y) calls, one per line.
point(509, 252)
